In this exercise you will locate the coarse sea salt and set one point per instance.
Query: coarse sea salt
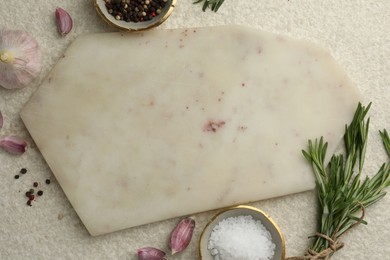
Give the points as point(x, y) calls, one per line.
point(241, 238)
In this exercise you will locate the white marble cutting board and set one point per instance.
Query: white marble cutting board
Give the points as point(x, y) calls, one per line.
point(143, 127)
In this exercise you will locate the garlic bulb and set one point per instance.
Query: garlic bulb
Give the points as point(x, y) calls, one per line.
point(20, 59)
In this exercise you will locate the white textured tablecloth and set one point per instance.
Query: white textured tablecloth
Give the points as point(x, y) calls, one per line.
point(356, 33)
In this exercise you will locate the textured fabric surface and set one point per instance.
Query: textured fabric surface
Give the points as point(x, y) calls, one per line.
point(354, 31)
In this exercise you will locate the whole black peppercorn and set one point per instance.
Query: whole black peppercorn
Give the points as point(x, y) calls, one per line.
point(29, 203)
point(40, 193)
point(16, 177)
point(28, 194)
point(35, 184)
point(47, 181)
point(31, 191)
point(23, 170)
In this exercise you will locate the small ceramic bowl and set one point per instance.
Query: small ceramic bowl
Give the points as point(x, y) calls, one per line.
point(131, 26)
point(257, 214)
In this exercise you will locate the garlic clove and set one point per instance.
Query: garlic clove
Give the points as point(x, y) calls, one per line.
point(20, 59)
point(1, 120)
point(181, 235)
point(13, 144)
point(150, 253)
point(64, 21)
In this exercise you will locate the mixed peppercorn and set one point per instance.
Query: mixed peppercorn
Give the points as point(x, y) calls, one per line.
point(31, 194)
point(135, 10)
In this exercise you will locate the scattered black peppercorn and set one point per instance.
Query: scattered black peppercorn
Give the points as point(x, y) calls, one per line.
point(30, 194)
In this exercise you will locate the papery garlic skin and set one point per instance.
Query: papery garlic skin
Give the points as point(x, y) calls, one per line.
point(20, 59)
point(181, 235)
point(13, 144)
point(150, 253)
point(64, 21)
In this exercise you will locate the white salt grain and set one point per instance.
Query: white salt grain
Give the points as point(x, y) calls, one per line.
point(241, 238)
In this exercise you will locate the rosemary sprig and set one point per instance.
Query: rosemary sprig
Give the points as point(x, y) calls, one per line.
point(341, 192)
point(214, 5)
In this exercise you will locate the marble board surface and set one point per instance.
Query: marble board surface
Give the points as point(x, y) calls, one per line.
point(143, 127)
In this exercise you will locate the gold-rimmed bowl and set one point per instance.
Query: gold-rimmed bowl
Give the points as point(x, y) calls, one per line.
point(132, 26)
point(242, 210)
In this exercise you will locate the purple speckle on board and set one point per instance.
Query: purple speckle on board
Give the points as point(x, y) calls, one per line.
point(213, 125)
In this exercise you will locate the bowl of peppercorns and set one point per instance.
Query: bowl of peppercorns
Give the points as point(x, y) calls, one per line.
point(134, 15)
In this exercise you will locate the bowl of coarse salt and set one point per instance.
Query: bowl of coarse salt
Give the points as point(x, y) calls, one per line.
point(244, 233)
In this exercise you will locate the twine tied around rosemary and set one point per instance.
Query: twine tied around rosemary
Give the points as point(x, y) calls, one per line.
point(324, 254)
point(335, 244)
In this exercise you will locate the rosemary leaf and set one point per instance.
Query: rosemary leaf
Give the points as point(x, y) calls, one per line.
point(214, 5)
point(386, 141)
point(342, 195)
